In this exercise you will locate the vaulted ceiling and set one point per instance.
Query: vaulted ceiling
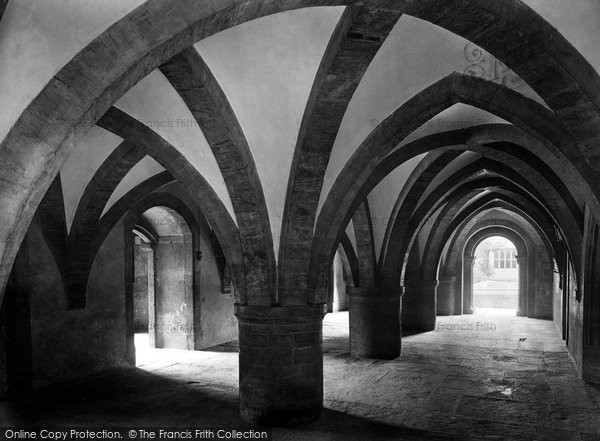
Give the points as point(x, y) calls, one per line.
point(396, 83)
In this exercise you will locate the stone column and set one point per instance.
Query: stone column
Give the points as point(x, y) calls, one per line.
point(375, 317)
point(522, 262)
point(458, 296)
point(419, 305)
point(281, 364)
point(446, 296)
point(467, 285)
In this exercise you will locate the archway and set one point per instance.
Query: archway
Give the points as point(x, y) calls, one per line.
point(193, 297)
point(521, 258)
point(495, 276)
point(163, 286)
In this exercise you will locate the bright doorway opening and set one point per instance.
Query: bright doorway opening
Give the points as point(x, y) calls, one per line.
point(496, 276)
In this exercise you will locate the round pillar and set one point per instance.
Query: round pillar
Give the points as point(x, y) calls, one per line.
point(375, 330)
point(446, 293)
point(419, 305)
point(281, 364)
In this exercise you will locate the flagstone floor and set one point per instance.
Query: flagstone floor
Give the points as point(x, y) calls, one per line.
point(486, 376)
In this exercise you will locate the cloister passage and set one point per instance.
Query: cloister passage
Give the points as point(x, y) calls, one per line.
point(449, 384)
point(496, 275)
point(231, 173)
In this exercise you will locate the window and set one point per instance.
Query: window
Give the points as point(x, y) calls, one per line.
point(505, 259)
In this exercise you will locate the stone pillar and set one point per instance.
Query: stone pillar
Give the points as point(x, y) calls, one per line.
point(467, 284)
point(419, 305)
point(522, 262)
point(446, 296)
point(458, 295)
point(375, 315)
point(281, 364)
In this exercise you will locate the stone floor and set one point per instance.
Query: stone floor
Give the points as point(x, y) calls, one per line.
point(475, 377)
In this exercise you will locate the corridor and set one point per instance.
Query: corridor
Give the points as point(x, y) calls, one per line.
point(506, 378)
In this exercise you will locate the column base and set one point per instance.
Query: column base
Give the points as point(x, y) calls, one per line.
point(375, 330)
point(281, 364)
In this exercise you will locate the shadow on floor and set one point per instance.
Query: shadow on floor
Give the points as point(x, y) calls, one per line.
point(339, 426)
point(141, 399)
point(409, 332)
point(231, 346)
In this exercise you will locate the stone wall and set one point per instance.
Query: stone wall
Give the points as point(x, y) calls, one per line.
point(56, 344)
point(173, 291)
point(143, 284)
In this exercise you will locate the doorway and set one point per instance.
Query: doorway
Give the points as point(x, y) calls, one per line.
point(496, 276)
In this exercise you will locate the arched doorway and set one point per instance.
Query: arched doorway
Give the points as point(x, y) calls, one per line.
point(510, 249)
point(182, 277)
point(341, 278)
point(495, 276)
point(163, 300)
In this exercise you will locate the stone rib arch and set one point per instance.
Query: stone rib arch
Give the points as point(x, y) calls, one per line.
point(533, 167)
point(354, 44)
point(195, 83)
point(497, 230)
point(454, 281)
point(363, 231)
point(89, 210)
point(414, 188)
point(176, 164)
point(502, 139)
point(453, 252)
point(38, 143)
point(514, 200)
point(547, 183)
point(421, 288)
point(459, 205)
point(350, 253)
point(533, 118)
point(454, 195)
point(133, 196)
point(508, 188)
point(165, 29)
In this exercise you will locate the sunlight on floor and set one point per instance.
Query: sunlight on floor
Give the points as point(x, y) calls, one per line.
point(489, 312)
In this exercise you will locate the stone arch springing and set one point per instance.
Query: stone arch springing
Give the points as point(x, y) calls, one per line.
point(363, 231)
point(458, 203)
point(351, 257)
point(204, 196)
point(352, 47)
point(194, 82)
